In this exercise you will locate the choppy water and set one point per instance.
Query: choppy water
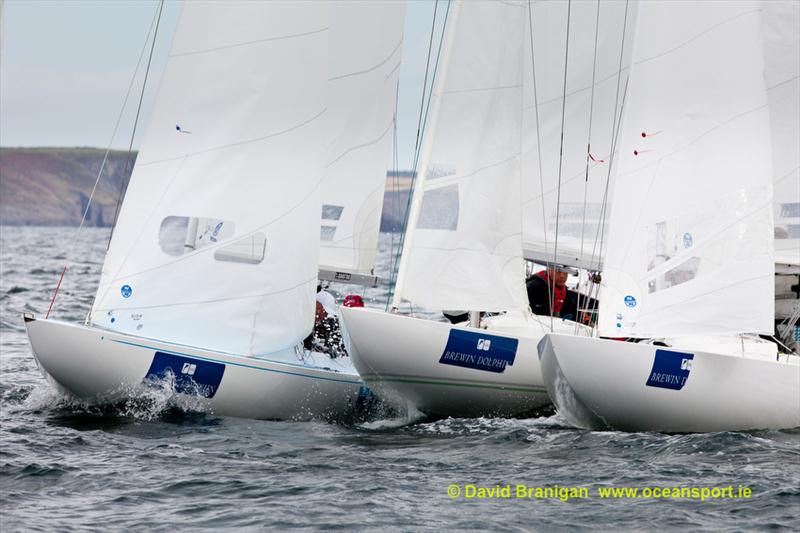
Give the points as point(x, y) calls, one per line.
point(155, 464)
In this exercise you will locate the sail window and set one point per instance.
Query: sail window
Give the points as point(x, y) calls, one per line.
point(182, 235)
point(332, 212)
point(440, 171)
point(790, 210)
point(249, 250)
point(682, 273)
point(577, 222)
point(440, 209)
point(792, 231)
point(327, 232)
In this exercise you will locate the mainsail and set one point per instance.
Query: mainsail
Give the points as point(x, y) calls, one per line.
point(217, 243)
point(463, 249)
point(781, 34)
point(366, 43)
point(565, 189)
point(690, 237)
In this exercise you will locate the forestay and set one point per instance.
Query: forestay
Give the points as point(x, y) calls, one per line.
point(690, 236)
point(463, 249)
point(600, 39)
point(781, 33)
point(218, 238)
point(366, 44)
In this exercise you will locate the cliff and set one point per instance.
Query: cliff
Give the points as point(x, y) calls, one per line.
point(50, 187)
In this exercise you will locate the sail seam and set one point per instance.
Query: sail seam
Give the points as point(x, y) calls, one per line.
point(439, 183)
point(370, 69)
point(701, 34)
point(482, 89)
point(214, 300)
point(359, 146)
point(248, 43)
point(617, 72)
point(698, 138)
point(239, 143)
point(703, 294)
point(787, 175)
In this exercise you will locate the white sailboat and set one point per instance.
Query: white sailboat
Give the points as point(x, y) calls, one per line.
point(690, 263)
point(267, 111)
point(476, 213)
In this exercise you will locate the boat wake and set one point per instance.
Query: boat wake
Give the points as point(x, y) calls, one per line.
point(150, 401)
point(393, 419)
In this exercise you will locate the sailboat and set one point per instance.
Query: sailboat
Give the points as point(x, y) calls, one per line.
point(483, 203)
point(688, 276)
point(266, 148)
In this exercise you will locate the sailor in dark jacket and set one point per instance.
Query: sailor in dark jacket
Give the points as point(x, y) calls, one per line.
point(565, 301)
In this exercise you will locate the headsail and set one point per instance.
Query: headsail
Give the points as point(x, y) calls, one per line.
point(463, 249)
point(690, 238)
point(218, 239)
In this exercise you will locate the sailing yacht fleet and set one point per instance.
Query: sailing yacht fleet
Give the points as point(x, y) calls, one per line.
point(637, 142)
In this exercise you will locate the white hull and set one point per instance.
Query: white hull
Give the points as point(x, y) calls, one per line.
point(599, 384)
point(102, 367)
point(404, 360)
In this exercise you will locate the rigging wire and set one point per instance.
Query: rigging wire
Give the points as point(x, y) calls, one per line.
point(539, 154)
point(616, 126)
point(588, 157)
point(104, 161)
point(561, 149)
point(422, 122)
point(395, 181)
point(135, 123)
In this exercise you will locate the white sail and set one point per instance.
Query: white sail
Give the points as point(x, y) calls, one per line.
point(366, 42)
point(217, 242)
point(463, 249)
point(600, 44)
point(781, 34)
point(690, 237)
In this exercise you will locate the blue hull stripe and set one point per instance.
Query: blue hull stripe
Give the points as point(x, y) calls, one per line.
point(357, 382)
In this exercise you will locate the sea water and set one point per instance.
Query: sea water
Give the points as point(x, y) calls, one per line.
point(158, 463)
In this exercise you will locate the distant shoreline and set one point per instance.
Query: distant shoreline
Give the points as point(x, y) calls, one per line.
point(50, 187)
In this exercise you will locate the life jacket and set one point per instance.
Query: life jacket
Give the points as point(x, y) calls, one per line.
point(559, 294)
point(353, 300)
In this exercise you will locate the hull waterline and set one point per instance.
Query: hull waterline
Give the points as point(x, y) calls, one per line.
point(102, 367)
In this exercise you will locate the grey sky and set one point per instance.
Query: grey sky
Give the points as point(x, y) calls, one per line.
point(66, 65)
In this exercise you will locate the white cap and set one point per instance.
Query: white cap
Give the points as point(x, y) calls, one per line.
point(328, 302)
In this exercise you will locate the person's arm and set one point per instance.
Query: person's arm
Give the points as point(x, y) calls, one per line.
point(538, 296)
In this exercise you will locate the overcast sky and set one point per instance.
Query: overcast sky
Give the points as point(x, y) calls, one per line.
point(66, 65)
